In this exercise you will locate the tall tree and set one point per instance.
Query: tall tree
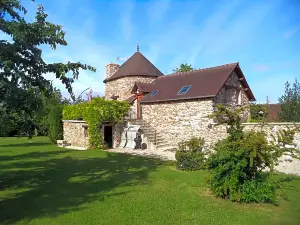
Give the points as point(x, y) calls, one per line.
point(183, 68)
point(21, 63)
point(290, 103)
point(22, 66)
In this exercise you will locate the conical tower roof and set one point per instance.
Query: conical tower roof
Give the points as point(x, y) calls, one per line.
point(136, 65)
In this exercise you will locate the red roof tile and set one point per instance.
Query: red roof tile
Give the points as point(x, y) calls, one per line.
point(131, 99)
point(273, 110)
point(144, 87)
point(136, 65)
point(205, 83)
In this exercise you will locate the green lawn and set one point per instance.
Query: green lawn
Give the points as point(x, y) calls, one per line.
point(43, 184)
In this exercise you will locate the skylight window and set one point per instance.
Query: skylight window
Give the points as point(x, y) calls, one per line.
point(184, 90)
point(154, 93)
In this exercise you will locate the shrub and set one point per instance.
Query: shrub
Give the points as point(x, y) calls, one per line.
point(190, 160)
point(238, 160)
point(55, 124)
point(255, 110)
point(190, 155)
point(259, 191)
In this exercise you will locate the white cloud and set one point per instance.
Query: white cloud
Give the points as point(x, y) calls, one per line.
point(261, 68)
point(82, 47)
point(121, 59)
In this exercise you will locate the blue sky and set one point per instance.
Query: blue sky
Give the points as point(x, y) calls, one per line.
point(264, 36)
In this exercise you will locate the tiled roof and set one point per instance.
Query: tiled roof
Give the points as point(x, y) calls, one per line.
point(131, 99)
point(144, 87)
point(136, 65)
point(273, 110)
point(205, 83)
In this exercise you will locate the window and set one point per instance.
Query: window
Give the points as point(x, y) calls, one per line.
point(184, 89)
point(154, 93)
point(239, 97)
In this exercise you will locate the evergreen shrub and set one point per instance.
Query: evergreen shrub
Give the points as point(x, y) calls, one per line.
point(190, 155)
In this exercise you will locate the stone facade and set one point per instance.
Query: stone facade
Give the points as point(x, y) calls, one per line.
point(232, 93)
point(180, 120)
point(122, 86)
point(75, 133)
point(111, 69)
point(117, 130)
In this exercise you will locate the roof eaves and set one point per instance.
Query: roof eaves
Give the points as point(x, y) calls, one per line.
point(246, 85)
point(115, 78)
point(228, 75)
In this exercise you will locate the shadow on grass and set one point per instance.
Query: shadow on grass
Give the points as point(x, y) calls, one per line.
point(53, 186)
point(29, 144)
point(287, 182)
point(33, 155)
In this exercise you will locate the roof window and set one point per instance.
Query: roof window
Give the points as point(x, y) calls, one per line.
point(184, 90)
point(154, 93)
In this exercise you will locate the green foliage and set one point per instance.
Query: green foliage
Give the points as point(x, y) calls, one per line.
point(190, 154)
point(22, 66)
point(95, 113)
point(258, 191)
point(128, 180)
point(55, 123)
point(41, 115)
point(255, 111)
point(238, 160)
point(183, 68)
point(290, 103)
point(75, 111)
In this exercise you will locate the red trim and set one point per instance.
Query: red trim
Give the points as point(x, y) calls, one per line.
point(139, 97)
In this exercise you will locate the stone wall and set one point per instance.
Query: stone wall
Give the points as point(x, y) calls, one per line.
point(287, 164)
point(75, 133)
point(111, 69)
point(180, 120)
point(219, 132)
point(122, 87)
point(232, 93)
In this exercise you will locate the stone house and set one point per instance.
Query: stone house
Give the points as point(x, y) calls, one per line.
point(167, 108)
point(176, 106)
point(171, 108)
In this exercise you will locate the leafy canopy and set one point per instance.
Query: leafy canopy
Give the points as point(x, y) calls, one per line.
point(22, 68)
point(290, 103)
point(21, 63)
point(183, 68)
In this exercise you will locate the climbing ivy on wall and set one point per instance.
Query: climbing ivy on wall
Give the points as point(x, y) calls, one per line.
point(95, 113)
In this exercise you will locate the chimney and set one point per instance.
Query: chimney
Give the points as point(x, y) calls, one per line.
point(111, 69)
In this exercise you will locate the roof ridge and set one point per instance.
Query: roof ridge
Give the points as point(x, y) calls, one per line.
point(196, 70)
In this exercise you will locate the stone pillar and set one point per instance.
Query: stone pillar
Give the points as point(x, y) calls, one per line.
point(111, 69)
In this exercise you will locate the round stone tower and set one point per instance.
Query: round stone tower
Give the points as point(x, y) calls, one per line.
point(121, 79)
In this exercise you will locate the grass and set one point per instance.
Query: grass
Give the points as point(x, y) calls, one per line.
point(44, 184)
